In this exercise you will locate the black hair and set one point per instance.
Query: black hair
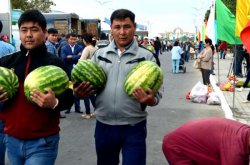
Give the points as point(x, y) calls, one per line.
point(1, 26)
point(71, 35)
point(121, 14)
point(52, 31)
point(33, 16)
point(176, 43)
point(88, 37)
point(208, 41)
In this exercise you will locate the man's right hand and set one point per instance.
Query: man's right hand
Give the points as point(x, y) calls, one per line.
point(3, 95)
point(82, 90)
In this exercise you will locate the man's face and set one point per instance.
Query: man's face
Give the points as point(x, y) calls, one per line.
point(52, 38)
point(72, 40)
point(31, 35)
point(123, 31)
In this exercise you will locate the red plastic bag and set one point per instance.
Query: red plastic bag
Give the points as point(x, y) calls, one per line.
point(188, 95)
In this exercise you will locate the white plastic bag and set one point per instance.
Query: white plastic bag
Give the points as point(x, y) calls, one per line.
point(198, 93)
point(213, 99)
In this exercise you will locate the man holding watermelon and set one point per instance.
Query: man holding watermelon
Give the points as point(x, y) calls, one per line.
point(121, 119)
point(32, 127)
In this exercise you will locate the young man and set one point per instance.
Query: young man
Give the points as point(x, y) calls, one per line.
point(32, 129)
point(52, 41)
point(121, 120)
point(210, 141)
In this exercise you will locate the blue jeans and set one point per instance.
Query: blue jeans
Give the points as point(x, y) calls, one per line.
point(130, 139)
point(175, 65)
point(186, 56)
point(41, 151)
point(2, 144)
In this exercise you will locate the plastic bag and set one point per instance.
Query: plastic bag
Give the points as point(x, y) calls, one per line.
point(199, 93)
point(213, 99)
point(197, 64)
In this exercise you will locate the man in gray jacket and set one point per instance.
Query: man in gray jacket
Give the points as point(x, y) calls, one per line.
point(121, 120)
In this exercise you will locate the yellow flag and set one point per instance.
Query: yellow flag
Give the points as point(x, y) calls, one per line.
point(242, 15)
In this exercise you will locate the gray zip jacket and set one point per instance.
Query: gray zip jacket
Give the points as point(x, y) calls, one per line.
point(113, 105)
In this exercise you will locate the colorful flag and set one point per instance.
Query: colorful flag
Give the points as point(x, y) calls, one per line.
point(242, 15)
point(245, 35)
point(226, 23)
point(210, 31)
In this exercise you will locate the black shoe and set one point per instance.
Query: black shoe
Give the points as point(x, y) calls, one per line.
point(68, 111)
point(78, 111)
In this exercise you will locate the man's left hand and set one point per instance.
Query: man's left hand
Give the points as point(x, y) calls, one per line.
point(44, 100)
point(144, 97)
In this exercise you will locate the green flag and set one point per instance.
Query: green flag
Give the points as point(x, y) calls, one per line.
point(226, 24)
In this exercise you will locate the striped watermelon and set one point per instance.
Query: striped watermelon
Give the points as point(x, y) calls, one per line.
point(146, 74)
point(89, 71)
point(49, 76)
point(9, 81)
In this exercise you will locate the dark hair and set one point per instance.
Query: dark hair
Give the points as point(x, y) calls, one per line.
point(121, 14)
point(71, 35)
point(88, 37)
point(52, 31)
point(208, 41)
point(33, 16)
point(1, 26)
point(176, 43)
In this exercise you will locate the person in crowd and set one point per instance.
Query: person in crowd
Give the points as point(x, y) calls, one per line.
point(223, 49)
point(206, 61)
point(51, 42)
point(120, 119)
point(164, 44)
point(6, 49)
point(33, 137)
point(136, 37)
point(186, 49)
point(157, 46)
point(71, 53)
point(87, 53)
point(151, 48)
point(208, 141)
point(201, 46)
point(239, 54)
point(176, 56)
point(61, 43)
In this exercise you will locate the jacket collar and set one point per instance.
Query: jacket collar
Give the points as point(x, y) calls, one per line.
point(38, 51)
point(131, 48)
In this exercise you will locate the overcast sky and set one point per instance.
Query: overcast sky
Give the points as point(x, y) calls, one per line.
point(158, 15)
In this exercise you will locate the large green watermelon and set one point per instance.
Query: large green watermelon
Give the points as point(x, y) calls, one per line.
point(49, 76)
point(9, 81)
point(89, 71)
point(146, 74)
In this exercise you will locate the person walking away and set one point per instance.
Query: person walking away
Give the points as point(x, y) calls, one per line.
point(70, 54)
point(176, 56)
point(87, 53)
point(33, 137)
point(186, 48)
point(206, 61)
point(157, 46)
point(120, 119)
point(208, 141)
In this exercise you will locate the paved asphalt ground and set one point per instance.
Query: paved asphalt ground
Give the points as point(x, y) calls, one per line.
point(77, 134)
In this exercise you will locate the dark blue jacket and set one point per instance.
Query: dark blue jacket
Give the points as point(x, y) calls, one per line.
point(66, 50)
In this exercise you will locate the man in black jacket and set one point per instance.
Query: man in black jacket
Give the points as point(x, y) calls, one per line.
point(32, 129)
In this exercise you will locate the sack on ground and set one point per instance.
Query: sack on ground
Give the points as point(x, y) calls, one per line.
point(198, 93)
point(213, 99)
point(197, 64)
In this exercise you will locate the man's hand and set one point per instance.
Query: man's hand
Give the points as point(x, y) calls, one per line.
point(44, 100)
point(3, 95)
point(82, 90)
point(144, 97)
